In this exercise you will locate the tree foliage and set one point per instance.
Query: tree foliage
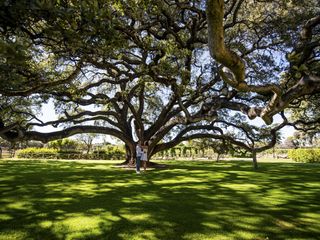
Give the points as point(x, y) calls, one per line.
point(64, 144)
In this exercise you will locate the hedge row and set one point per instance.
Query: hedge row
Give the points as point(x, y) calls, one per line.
point(46, 153)
point(305, 155)
point(49, 153)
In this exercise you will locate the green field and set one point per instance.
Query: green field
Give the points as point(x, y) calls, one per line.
point(188, 200)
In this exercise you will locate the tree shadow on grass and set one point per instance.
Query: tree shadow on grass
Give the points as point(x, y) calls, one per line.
point(189, 200)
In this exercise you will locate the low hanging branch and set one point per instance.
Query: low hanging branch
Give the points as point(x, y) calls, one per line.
point(46, 137)
point(232, 70)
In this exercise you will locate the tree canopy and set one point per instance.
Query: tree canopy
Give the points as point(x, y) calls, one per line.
point(160, 71)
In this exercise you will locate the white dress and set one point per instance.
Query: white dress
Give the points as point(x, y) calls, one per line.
point(144, 156)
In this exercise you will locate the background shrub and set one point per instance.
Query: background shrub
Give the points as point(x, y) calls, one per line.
point(70, 154)
point(45, 153)
point(305, 155)
point(110, 152)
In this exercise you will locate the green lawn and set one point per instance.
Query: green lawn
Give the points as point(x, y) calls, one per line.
point(188, 200)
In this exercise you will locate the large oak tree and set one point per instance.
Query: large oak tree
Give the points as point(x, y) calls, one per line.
point(158, 71)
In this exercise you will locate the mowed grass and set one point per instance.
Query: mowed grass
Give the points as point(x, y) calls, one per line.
point(188, 200)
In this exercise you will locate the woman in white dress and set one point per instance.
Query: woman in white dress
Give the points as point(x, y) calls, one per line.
point(144, 157)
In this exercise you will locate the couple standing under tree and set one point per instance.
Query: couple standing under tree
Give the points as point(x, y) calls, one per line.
point(142, 155)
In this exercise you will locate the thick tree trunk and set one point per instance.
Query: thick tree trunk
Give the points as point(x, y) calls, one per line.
point(254, 160)
point(218, 157)
point(129, 157)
